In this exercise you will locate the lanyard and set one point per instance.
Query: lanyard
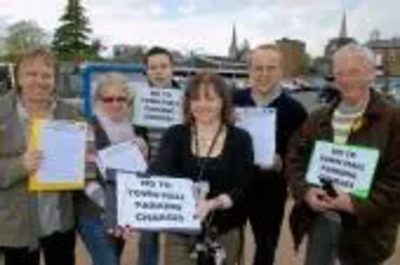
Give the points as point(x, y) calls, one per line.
point(202, 161)
point(201, 164)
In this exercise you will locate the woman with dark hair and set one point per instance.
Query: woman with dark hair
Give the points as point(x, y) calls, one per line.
point(208, 149)
point(32, 221)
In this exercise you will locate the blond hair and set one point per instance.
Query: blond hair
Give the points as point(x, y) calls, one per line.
point(42, 53)
point(266, 47)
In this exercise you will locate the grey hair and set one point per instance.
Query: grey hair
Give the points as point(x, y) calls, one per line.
point(112, 79)
point(353, 48)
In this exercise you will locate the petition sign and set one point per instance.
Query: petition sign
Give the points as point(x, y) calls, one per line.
point(157, 107)
point(260, 123)
point(349, 168)
point(156, 203)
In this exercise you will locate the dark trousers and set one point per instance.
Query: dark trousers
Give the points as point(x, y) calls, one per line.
point(265, 200)
point(18, 256)
point(323, 240)
point(325, 244)
point(59, 248)
point(149, 248)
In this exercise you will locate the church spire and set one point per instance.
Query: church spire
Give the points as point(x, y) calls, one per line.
point(343, 27)
point(233, 48)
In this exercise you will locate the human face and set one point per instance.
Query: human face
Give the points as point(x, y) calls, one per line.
point(159, 70)
point(36, 78)
point(206, 108)
point(265, 70)
point(353, 75)
point(114, 103)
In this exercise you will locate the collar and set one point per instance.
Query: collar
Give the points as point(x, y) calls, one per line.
point(23, 113)
point(374, 110)
point(276, 92)
point(171, 84)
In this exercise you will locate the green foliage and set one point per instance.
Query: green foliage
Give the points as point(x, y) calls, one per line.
point(71, 40)
point(22, 37)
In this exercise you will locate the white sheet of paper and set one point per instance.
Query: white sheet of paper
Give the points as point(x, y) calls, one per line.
point(63, 144)
point(158, 108)
point(124, 156)
point(349, 168)
point(261, 124)
point(156, 203)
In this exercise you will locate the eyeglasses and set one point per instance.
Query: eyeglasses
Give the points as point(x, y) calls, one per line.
point(112, 99)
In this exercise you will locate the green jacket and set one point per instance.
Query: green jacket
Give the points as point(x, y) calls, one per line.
point(19, 224)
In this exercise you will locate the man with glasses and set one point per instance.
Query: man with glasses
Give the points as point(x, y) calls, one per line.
point(343, 226)
point(266, 195)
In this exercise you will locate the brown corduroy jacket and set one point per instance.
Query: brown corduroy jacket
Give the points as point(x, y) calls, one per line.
point(370, 235)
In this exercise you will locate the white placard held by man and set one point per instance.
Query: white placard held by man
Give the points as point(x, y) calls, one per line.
point(159, 108)
point(348, 168)
point(261, 124)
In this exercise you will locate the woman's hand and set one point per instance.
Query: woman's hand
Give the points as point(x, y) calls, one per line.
point(141, 144)
point(122, 232)
point(205, 207)
point(116, 232)
point(31, 160)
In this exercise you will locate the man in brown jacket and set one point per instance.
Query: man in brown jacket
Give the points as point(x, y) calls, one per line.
point(358, 232)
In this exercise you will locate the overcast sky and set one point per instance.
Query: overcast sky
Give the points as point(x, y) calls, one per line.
point(205, 26)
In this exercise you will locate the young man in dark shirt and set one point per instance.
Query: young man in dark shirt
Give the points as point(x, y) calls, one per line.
point(267, 191)
point(159, 71)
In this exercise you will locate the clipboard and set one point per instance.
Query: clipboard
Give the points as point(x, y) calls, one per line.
point(37, 142)
point(260, 123)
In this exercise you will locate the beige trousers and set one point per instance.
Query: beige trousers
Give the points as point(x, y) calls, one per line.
point(178, 248)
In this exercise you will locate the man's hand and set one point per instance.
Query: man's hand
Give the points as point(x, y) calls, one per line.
point(343, 203)
point(31, 160)
point(276, 166)
point(319, 200)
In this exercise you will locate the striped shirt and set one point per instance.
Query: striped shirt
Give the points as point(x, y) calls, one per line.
point(345, 119)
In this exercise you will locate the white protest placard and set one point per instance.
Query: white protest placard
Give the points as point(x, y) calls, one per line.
point(261, 124)
point(156, 203)
point(157, 107)
point(123, 156)
point(349, 168)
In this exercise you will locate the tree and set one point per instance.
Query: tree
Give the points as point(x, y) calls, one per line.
point(306, 64)
point(23, 36)
point(71, 40)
